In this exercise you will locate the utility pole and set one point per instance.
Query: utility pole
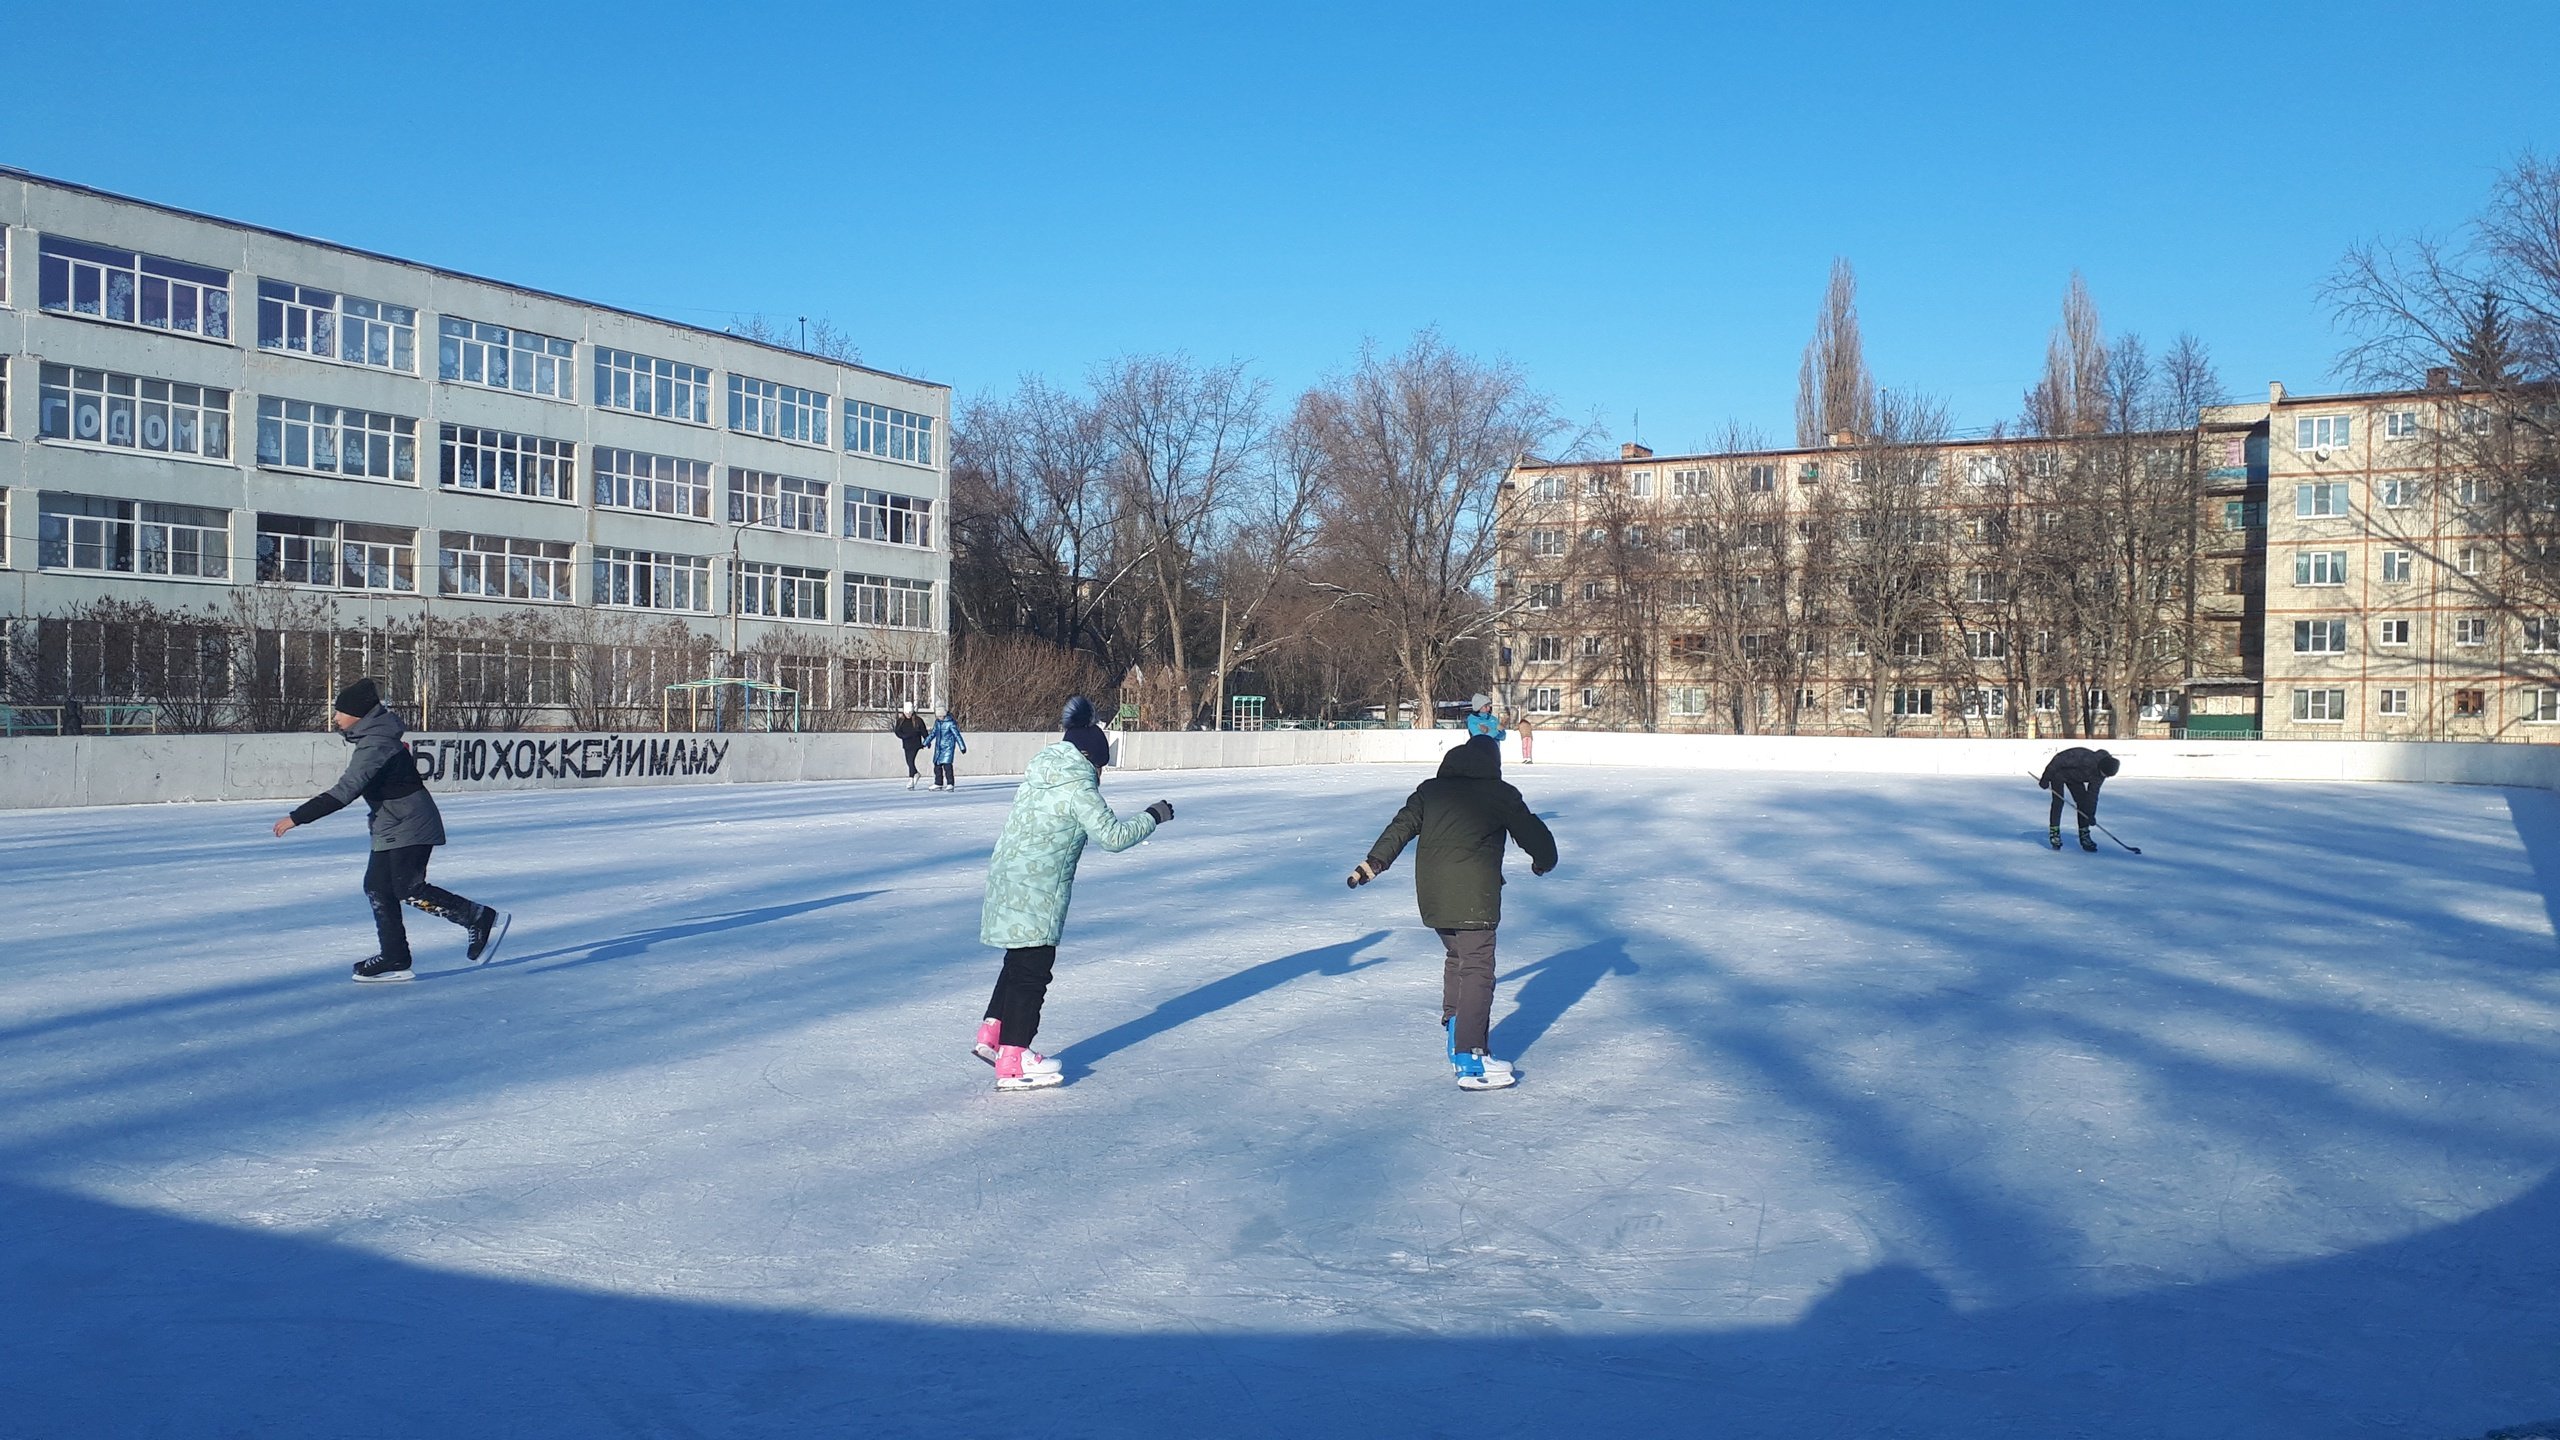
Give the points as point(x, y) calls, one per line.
point(1218, 720)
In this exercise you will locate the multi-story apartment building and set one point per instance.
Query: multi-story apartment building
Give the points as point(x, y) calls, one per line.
point(2357, 566)
point(1852, 589)
point(198, 413)
point(2408, 568)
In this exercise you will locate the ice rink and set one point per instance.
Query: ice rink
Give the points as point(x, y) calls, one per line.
point(1848, 1109)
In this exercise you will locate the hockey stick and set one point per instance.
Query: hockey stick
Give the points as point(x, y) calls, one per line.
point(2093, 820)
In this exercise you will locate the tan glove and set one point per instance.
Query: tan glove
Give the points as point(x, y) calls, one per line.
point(1361, 874)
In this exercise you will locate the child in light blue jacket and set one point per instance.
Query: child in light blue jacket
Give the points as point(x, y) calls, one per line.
point(947, 742)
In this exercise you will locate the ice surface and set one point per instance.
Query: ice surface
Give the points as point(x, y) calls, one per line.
point(1848, 1109)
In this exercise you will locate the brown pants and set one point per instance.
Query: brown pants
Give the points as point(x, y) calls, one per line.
point(1466, 985)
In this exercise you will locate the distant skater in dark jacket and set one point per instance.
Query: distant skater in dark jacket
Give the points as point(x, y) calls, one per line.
point(2081, 771)
point(910, 730)
point(406, 829)
point(1462, 818)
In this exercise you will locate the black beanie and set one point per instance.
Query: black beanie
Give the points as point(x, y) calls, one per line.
point(359, 699)
point(1078, 729)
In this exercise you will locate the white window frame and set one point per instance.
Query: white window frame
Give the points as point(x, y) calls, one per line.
point(767, 500)
point(505, 567)
point(1640, 485)
point(2320, 569)
point(500, 357)
point(388, 443)
point(875, 684)
point(89, 409)
point(890, 433)
point(2391, 634)
point(788, 413)
point(2396, 566)
point(2470, 632)
point(2313, 433)
point(1546, 649)
point(2048, 699)
point(888, 601)
point(651, 484)
point(2320, 500)
point(2400, 425)
point(1760, 479)
point(1547, 488)
point(1686, 701)
point(1987, 644)
point(191, 299)
point(2396, 492)
point(2391, 700)
point(1914, 700)
point(885, 517)
point(2320, 704)
point(377, 559)
point(2319, 637)
point(332, 325)
point(2541, 634)
point(501, 462)
point(180, 538)
point(1591, 697)
point(1546, 700)
point(651, 580)
point(1688, 484)
point(768, 591)
point(2541, 705)
point(1545, 542)
point(640, 384)
point(1853, 699)
point(2467, 560)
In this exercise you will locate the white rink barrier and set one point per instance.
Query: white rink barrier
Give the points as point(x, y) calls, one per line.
point(44, 771)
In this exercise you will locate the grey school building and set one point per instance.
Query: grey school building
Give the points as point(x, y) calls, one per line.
point(194, 411)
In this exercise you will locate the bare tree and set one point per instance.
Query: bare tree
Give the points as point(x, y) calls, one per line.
point(2475, 318)
point(1835, 394)
point(1416, 446)
point(1891, 552)
point(1185, 436)
point(2070, 398)
point(820, 337)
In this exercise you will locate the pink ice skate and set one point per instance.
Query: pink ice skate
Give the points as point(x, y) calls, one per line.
point(1015, 1069)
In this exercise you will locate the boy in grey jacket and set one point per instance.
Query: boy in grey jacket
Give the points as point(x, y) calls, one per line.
point(406, 829)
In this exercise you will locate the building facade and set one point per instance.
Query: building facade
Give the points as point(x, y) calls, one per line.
point(208, 417)
point(2362, 566)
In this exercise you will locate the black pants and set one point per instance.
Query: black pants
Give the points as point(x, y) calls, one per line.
point(1020, 987)
point(912, 752)
point(1466, 985)
point(397, 876)
point(2084, 801)
point(942, 774)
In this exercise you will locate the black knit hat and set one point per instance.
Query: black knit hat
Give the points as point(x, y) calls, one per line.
point(359, 699)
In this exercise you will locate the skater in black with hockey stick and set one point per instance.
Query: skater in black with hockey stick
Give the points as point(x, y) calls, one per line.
point(2081, 771)
point(406, 829)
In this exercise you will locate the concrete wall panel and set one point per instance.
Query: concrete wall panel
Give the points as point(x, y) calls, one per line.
point(41, 771)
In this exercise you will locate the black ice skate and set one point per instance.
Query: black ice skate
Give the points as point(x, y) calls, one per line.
point(2053, 836)
point(376, 970)
point(488, 932)
point(2085, 842)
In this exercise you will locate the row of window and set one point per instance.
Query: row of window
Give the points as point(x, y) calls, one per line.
point(128, 537)
point(1978, 703)
point(2329, 637)
point(2327, 704)
point(131, 288)
point(2328, 500)
point(1914, 645)
point(130, 412)
point(2322, 568)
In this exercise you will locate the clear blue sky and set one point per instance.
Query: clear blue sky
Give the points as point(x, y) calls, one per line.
point(1636, 203)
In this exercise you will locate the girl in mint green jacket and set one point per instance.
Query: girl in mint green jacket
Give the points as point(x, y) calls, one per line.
point(1029, 882)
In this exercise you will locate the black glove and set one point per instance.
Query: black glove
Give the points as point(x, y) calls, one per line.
point(1537, 869)
point(1162, 810)
point(1360, 875)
